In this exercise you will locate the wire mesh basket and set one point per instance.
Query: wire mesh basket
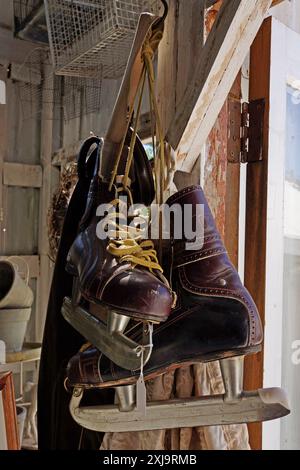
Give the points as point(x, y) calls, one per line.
point(43, 94)
point(84, 34)
point(81, 95)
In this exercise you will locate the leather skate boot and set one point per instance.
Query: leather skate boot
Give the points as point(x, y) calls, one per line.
point(207, 271)
point(215, 319)
point(215, 316)
point(105, 267)
point(123, 277)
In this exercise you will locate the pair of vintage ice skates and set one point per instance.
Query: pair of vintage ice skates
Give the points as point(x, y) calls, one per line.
point(140, 319)
point(135, 327)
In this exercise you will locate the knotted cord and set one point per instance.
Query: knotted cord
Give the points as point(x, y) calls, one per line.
point(163, 162)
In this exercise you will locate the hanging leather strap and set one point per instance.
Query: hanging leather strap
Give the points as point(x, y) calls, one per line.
point(84, 169)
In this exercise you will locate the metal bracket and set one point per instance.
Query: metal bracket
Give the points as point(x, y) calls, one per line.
point(245, 131)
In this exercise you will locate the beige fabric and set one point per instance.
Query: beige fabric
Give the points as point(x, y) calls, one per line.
point(197, 380)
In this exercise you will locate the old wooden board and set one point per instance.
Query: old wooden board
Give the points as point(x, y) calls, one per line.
point(213, 71)
point(46, 137)
point(256, 210)
point(232, 202)
point(19, 174)
point(21, 213)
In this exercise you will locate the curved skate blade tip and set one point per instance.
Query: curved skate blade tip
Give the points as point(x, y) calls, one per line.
point(274, 395)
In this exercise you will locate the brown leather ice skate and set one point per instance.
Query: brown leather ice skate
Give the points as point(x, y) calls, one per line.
point(121, 274)
point(215, 319)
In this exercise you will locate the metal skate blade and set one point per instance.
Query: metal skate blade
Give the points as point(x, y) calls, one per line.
point(262, 405)
point(117, 346)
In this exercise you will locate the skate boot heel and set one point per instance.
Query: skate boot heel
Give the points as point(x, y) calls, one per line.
point(233, 375)
point(125, 397)
point(116, 323)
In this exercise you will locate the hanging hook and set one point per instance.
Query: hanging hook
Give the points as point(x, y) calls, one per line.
point(165, 13)
point(166, 9)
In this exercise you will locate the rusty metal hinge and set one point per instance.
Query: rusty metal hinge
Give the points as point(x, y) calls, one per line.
point(245, 131)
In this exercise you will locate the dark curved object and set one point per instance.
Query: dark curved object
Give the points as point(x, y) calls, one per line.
point(88, 158)
point(56, 428)
point(143, 184)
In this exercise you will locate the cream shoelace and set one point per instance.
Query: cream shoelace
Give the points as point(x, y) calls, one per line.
point(128, 244)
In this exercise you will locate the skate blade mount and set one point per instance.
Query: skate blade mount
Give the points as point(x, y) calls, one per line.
point(233, 407)
point(263, 405)
point(110, 338)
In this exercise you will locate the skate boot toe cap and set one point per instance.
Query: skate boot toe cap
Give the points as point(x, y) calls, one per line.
point(141, 293)
point(83, 368)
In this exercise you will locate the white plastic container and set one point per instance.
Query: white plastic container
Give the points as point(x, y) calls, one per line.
point(13, 324)
point(14, 291)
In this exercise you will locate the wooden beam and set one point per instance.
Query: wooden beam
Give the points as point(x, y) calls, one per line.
point(181, 43)
point(256, 211)
point(19, 174)
point(3, 150)
point(166, 68)
point(216, 67)
point(46, 266)
point(232, 202)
